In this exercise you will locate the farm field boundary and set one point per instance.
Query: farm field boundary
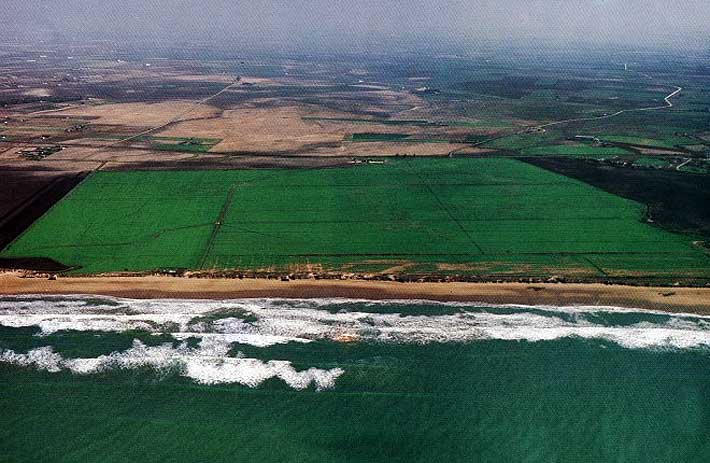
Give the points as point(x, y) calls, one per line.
point(451, 217)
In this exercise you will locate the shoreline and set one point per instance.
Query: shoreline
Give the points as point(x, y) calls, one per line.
point(676, 299)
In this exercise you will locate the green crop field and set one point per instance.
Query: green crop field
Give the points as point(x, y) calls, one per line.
point(518, 142)
point(578, 149)
point(647, 161)
point(669, 142)
point(460, 216)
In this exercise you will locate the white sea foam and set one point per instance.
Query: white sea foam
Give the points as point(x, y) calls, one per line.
point(218, 325)
point(277, 321)
point(207, 364)
point(42, 358)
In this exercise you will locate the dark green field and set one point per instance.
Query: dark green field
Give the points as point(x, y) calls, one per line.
point(379, 137)
point(424, 216)
point(676, 201)
point(392, 138)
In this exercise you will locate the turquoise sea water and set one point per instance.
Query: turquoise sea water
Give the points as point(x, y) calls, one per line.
point(411, 381)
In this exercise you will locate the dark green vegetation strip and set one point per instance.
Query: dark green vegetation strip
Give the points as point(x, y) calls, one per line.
point(392, 138)
point(396, 122)
point(574, 150)
point(424, 216)
point(379, 136)
point(566, 400)
point(186, 148)
point(178, 144)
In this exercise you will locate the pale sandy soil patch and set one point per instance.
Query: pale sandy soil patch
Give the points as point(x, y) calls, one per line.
point(9, 152)
point(657, 151)
point(403, 149)
point(261, 128)
point(141, 156)
point(70, 153)
point(49, 164)
point(39, 92)
point(144, 114)
point(118, 154)
point(370, 86)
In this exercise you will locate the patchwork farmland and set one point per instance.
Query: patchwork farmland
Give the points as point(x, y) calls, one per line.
point(490, 217)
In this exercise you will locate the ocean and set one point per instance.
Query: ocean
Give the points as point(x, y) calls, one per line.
point(88, 378)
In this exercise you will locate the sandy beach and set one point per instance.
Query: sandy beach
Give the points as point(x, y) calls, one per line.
point(695, 300)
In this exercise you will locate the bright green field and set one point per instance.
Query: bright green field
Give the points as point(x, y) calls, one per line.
point(665, 143)
point(467, 216)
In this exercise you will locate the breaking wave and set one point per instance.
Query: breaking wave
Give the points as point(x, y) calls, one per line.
point(207, 364)
point(264, 322)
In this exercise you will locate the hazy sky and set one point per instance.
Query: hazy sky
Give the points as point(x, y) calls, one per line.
point(358, 25)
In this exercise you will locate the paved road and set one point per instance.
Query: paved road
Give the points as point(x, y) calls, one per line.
point(667, 100)
point(680, 166)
